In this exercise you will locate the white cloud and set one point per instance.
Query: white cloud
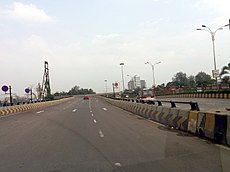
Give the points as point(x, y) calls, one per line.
point(106, 38)
point(27, 12)
point(219, 9)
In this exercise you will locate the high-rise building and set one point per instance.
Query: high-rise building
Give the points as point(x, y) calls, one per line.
point(136, 82)
point(143, 84)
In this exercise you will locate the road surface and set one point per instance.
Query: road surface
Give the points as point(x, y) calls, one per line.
point(94, 136)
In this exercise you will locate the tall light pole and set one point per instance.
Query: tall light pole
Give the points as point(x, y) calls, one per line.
point(122, 76)
point(206, 28)
point(153, 66)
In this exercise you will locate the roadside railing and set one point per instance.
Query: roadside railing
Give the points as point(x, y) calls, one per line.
point(193, 105)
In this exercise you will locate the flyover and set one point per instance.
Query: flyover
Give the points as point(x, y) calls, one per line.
point(93, 135)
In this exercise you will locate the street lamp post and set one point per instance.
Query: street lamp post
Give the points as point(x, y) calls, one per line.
point(153, 67)
point(206, 28)
point(122, 76)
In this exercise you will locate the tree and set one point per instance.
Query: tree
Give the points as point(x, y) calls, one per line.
point(191, 81)
point(171, 84)
point(74, 90)
point(181, 79)
point(203, 79)
point(225, 74)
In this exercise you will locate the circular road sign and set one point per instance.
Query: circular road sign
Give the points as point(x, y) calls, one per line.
point(116, 84)
point(5, 88)
point(27, 90)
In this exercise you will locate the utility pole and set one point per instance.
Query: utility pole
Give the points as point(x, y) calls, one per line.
point(11, 101)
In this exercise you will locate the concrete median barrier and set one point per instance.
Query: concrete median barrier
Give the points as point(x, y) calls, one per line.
point(228, 131)
point(182, 120)
point(152, 113)
point(209, 125)
point(158, 113)
point(192, 122)
point(27, 107)
point(173, 114)
point(164, 115)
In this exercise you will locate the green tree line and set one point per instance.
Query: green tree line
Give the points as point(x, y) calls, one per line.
point(76, 90)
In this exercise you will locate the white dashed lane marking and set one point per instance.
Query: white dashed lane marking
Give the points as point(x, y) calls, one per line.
point(94, 121)
point(117, 164)
point(91, 114)
point(104, 109)
point(101, 134)
point(74, 110)
point(40, 111)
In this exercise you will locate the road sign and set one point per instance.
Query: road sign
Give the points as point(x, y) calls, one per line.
point(215, 73)
point(27, 90)
point(116, 84)
point(5, 88)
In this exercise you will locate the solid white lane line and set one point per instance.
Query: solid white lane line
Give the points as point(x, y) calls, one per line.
point(40, 111)
point(104, 109)
point(101, 134)
point(74, 110)
point(94, 121)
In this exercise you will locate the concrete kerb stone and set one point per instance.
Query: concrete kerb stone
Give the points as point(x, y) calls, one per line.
point(139, 108)
point(182, 120)
point(164, 115)
point(220, 130)
point(144, 110)
point(158, 112)
point(201, 119)
point(214, 126)
point(228, 131)
point(173, 114)
point(153, 111)
point(148, 111)
point(192, 122)
point(209, 125)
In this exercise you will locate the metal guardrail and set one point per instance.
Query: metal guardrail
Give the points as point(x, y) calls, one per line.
point(193, 105)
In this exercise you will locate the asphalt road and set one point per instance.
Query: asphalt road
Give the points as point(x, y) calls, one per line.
point(93, 136)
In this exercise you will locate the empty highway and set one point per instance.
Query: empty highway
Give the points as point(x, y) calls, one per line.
point(94, 136)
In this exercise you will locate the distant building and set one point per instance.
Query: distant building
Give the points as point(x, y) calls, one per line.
point(136, 82)
point(143, 84)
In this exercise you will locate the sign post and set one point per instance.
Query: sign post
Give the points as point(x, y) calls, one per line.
point(27, 90)
point(5, 89)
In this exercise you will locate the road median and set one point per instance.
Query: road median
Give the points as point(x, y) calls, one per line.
point(27, 107)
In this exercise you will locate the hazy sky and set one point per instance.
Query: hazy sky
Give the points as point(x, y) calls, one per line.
point(84, 41)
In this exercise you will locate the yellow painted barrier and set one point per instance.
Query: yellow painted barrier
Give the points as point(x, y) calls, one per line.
point(22, 108)
point(192, 121)
point(164, 115)
point(182, 120)
point(158, 112)
point(209, 125)
point(153, 110)
point(173, 114)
